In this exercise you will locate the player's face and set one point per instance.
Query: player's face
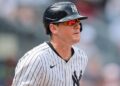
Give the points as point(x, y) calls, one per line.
point(69, 31)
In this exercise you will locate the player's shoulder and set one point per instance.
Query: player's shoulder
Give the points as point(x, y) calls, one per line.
point(32, 57)
point(78, 49)
point(80, 52)
point(40, 48)
point(36, 51)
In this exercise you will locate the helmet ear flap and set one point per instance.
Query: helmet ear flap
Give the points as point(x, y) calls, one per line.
point(80, 27)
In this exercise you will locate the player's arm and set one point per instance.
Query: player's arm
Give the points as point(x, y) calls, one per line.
point(28, 72)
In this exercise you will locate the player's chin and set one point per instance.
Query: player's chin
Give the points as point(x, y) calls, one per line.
point(76, 40)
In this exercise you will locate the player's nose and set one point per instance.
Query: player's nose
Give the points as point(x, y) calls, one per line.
point(77, 26)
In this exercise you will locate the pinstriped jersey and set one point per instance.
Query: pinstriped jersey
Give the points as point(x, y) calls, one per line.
point(41, 66)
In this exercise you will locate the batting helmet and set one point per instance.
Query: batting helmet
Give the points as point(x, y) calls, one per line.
point(61, 12)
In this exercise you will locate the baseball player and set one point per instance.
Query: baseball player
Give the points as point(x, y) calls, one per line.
point(56, 62)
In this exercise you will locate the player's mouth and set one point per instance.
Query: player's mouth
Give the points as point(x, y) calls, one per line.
point(77, 33)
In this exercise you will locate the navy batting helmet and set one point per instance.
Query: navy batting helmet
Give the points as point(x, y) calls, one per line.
point(61, 12)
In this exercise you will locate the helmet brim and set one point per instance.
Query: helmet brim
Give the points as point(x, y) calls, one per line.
point(72, 17)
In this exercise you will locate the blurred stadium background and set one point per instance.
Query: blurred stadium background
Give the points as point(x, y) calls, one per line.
point(21, 29)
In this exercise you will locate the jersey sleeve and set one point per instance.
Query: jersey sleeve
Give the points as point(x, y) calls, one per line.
point(28, 71)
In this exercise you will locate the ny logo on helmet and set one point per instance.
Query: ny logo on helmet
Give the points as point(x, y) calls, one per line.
point(74, 9)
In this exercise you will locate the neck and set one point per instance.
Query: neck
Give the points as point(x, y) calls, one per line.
point(63, 49)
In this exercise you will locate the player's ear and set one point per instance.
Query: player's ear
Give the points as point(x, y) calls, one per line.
point(53, 28)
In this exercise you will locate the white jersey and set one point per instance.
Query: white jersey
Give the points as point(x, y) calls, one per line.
point(42, 66)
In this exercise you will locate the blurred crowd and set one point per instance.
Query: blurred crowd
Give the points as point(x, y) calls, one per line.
point(21, 29)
